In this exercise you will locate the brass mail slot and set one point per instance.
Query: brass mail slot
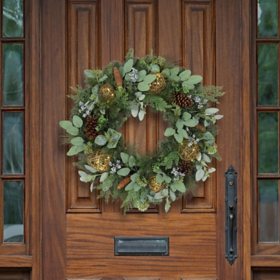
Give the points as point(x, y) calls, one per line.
point(141, 246)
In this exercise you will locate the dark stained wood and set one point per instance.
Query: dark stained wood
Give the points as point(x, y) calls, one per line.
point(246, 171)
point(140, 34)
point(14, 275)
point(53, 92)
point(266, 275)
point(198, 54)
point(83, 53)
point(77, 231)
point(192, 245)
point(228, 74)
point(15, 261)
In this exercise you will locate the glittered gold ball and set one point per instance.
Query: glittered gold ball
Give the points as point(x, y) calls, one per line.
point(158, 84)
point(154, 185)
point(189, 151)
point(99, 161)
point(107, 93)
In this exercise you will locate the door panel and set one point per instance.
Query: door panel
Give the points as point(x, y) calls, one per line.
point(91, 236)
point(81, 229)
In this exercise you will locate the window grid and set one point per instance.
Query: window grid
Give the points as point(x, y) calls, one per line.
point(259, 108)
point(6, 108)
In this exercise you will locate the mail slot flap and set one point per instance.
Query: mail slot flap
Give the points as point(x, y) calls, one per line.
point(141, 246)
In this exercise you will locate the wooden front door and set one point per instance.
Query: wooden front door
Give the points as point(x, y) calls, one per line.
point(78, 230)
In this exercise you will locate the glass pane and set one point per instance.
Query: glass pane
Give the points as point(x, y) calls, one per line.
point(13, 211)
point(13, 151)
point(13, 18)
point(267, 74)
point(13, 74)
point(268, 211)
point(267, 18)
point(268, 142)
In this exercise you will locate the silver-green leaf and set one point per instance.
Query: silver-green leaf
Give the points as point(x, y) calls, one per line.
point(77, 121)
point(100, 140)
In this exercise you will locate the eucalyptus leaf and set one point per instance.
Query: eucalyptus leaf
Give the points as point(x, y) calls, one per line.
point(199, 174)
point(65, 124)
point(180, 124)
point(141, 75)
point(124, 157)
point(89, 74)
point(74, 131)
point(130, 186)
point(211, 111)
point(178, 137)
point(174, 71)
point(167, 205)
point(149, 78)
point(103, 78)
point(84, 177)
point(143, 86)
point(128, 66)
point(77, 121)
point(104, 176)
point(187, 116)
point(166, 72)
point(169, 131)
point(172, 195)
point(74, 150)
point(195, 79)
point(113, 138)
point(191, 122)
point(100, 140)
point(178, 186)
point(155, 68)
point(159, 178)
point(123, 171)
point(141, 115)
point(90, 169)
point(131, 161)
point(77, 141)
point(185, 75)
point(134, 177)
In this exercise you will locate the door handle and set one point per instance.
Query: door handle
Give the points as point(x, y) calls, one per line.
point(231, 215)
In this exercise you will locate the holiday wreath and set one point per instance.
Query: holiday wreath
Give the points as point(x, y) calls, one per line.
point(120, 91)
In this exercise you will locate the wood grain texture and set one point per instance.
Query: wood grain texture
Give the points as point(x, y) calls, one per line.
point(198, 54)
point(140, 34)
point(83, 53)
point(192, 245)
point(247, 91)
point(15, 261)
point(196, 239)
point(228, 74)
point(53, 90)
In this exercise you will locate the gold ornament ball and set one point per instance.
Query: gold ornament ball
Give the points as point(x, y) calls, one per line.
point(189, 151)
point(107, 93)
point(99, 161)
point(154, 185)
point(158, 84)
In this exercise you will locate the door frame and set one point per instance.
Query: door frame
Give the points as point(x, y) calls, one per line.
point(51, 196)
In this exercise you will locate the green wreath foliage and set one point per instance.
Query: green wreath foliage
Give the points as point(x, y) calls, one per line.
point(124, 90)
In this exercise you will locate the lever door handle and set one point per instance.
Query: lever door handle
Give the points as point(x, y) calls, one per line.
point(231, 215)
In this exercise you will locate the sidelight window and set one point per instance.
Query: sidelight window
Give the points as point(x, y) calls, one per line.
point(12, 118)
point(267, 119)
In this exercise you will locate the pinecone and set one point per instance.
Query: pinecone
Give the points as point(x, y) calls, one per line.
point(182, 100)
point(186, 167)
point(90, 128)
